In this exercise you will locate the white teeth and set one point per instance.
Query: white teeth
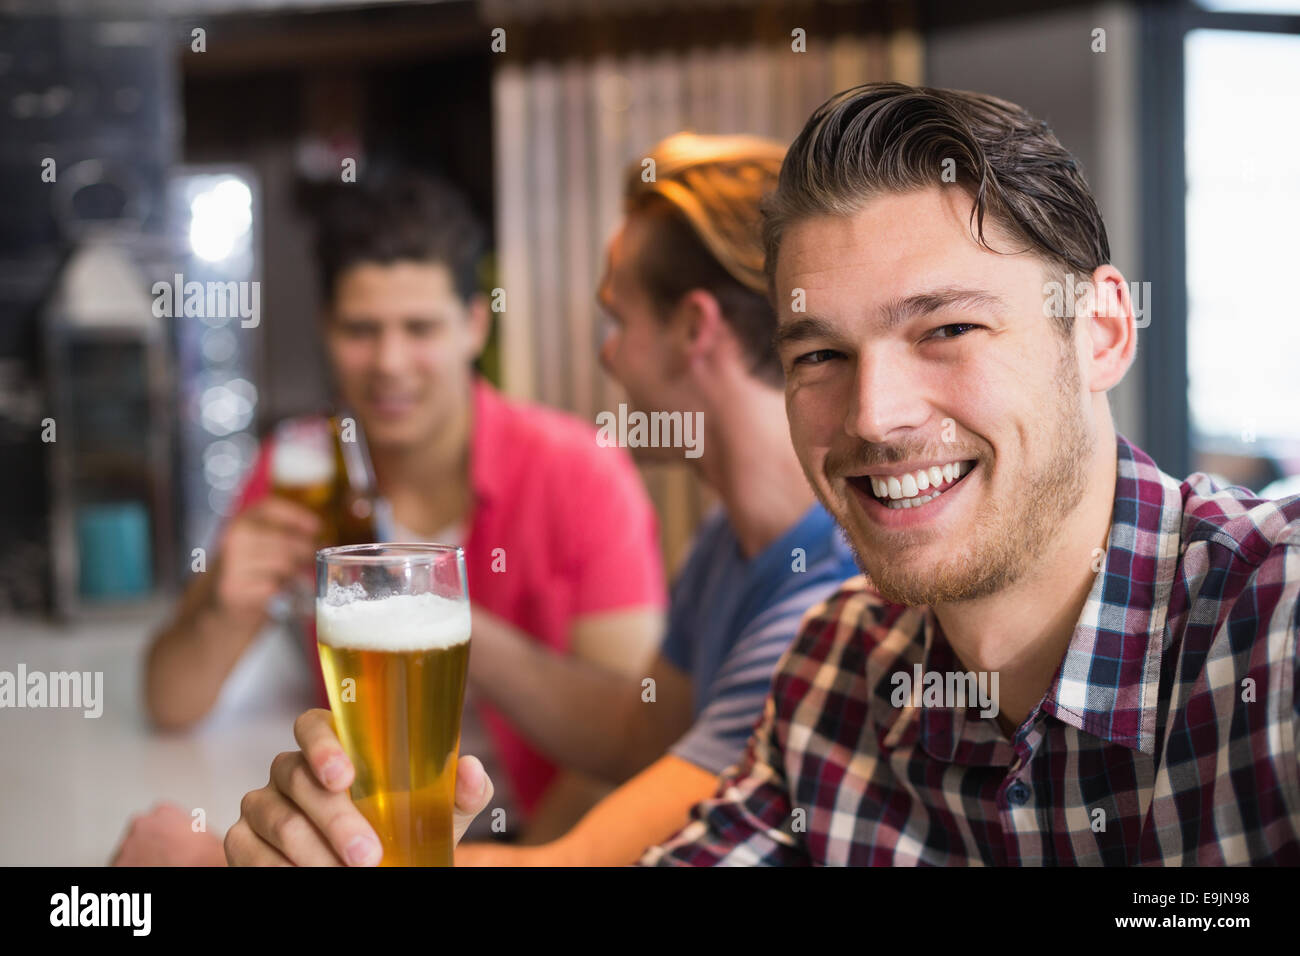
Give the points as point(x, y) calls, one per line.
point(908, 491)
point(912, 502)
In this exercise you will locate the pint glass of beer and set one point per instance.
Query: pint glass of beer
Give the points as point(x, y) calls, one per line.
point(392, 626)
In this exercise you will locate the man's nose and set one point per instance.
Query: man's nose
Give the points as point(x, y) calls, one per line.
point(886, 399)
point(392, 351)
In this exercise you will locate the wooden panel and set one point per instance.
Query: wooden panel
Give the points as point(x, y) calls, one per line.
point(549, 196)
point(576, 242)
point(906, 57)
point(510, 108)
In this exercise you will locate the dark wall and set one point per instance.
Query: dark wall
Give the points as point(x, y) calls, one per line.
point(412, 88)
point(71, 90)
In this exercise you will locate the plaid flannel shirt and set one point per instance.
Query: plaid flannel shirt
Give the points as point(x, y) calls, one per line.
point(1167, 736)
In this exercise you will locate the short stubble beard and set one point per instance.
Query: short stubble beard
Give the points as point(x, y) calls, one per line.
point(1014, 532)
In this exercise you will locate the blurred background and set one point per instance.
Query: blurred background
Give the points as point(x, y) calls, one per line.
point(141, 140)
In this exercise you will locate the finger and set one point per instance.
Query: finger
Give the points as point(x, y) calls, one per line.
point(314, 731)
point(332, 815)
point(281, 823)
point(473, 792)
point(267, 570)
point(275, 542)
point(245, 848)
point(252, 590)
point(272, 568)
point(287, 514)
point(251, 599)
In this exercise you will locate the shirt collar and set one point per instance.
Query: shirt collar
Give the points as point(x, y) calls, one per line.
point(952, 734)
point(1108, 682)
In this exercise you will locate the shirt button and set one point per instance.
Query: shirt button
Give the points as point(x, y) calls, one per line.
point(1018, 793)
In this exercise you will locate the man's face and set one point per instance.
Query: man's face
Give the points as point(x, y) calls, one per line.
point(401, 342)
point(639, 350)
point(920, 349)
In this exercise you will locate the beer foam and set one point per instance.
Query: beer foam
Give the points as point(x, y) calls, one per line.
point(294, 465)
point(400, 622)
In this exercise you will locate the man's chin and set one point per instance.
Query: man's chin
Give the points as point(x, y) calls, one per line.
point(916, 580)
point(907, 591)
point(952, 583)
point(388, 434)
point(911, 594)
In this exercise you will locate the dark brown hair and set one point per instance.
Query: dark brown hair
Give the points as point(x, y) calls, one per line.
point(406, 217)
point(890, 137)
point(703, 204)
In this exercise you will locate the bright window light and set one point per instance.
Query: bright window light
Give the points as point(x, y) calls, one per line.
point(1243, 203)
point(219, 218)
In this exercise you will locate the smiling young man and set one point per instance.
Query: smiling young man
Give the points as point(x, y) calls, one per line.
point(1143, 629)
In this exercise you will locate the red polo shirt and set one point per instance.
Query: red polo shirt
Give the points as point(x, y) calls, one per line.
point(567, 524)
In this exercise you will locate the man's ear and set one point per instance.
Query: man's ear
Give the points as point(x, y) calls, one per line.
point(1111, 339)
point(698, 322)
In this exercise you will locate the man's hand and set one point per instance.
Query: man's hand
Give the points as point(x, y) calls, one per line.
point(261, 551)
point(305, 817)
point(165, 836)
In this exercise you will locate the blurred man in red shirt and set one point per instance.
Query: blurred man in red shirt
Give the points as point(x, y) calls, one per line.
point(560, 538)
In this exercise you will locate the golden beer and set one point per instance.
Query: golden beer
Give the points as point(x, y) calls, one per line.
point(303, 469)
point(395, 669)
point(314, 466)
point(317, 498)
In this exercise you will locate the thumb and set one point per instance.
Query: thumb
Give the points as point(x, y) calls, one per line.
point(473, 793)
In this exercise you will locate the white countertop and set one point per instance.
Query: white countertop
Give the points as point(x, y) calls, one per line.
point(69, 784)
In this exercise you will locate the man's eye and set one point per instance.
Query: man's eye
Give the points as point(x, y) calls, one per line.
point(817, 357)
point(964, 326)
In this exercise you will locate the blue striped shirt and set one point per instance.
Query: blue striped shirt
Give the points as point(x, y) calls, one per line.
point(731, 619)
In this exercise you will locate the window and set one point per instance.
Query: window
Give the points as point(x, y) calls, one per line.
point(1240, 98)
point(1251, 6)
